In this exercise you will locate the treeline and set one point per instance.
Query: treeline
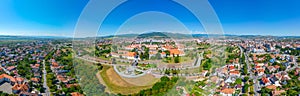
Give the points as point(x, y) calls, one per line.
point(207, 64)
point(102, 50)
point(6, 94)
point(289, 50)
point(24, 67)
point(65, 59)
point(172, 71)
point(86, 72)
point(145, 55)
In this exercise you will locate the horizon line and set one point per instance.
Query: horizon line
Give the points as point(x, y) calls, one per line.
point(50, 36)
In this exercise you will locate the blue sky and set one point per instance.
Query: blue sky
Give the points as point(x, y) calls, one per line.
point(59, 17)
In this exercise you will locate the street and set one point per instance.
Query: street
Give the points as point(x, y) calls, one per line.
point(47, 91)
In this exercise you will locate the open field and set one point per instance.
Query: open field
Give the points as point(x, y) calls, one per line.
point(146, 80)
point(117, 84)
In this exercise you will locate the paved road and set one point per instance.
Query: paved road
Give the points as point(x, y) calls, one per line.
point(144, 72)
point(47, 91)
point(252, 76)
point(255, 78)
point(200, 57)
point(256, 83)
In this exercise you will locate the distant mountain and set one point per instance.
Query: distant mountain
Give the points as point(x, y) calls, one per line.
point(153, 34)
point(9, 37)
point(145, 35)
point(156, 35)
point(182, 35)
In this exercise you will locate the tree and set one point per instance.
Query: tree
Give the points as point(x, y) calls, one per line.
point(265, 91)
point(114, 61)
point(167, 52)
point(245, 70)
point(246, 78)
point(174, 72)
point(165, 78)
point(167, 71)
point(177, 59)
point(158, 56)
point(292, 92)
point(245, 88)
point(238, 81)
point(159, 88)
point(207, 64)
point(174, 79)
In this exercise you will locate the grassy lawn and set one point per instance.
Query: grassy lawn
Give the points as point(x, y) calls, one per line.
point(104, 58)
point(90, 49)
point(183, 59)
point(117, 84)
point(123, 63)
point(191, 70)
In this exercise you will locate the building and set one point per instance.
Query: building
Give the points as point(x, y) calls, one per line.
point(17, 84)
point(227, 92)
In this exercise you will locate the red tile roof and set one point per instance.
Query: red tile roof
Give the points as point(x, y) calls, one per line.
point(273, 87)
point(265, 80)
point(20, 87)
point(19, 79)
point(10, 68)
point(231, 67)
point(131, 54)
point(175, 52)
point(228, 91)
point(234, 72)
point(277, 66)
point(12, 79)
point(35, 79)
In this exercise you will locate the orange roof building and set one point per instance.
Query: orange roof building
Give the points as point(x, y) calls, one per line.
point(234, 73)
point(277, 93)
point(11, 68)
point(273, 87)
point(131, 54)
point(55, 64)
point(265, 80)
point(175, 52)
point(7, 77)
point(20, 88)
point(35, 79)
point(231, 67)
point(71, 85)
point(227, 91)
point(76, 94)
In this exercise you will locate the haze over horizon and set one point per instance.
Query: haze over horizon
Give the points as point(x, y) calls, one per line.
point(59, 17)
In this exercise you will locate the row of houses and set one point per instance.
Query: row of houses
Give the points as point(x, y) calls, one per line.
point(11, 80)
point(61, 74)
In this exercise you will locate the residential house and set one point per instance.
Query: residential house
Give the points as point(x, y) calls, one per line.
point(227, 92)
